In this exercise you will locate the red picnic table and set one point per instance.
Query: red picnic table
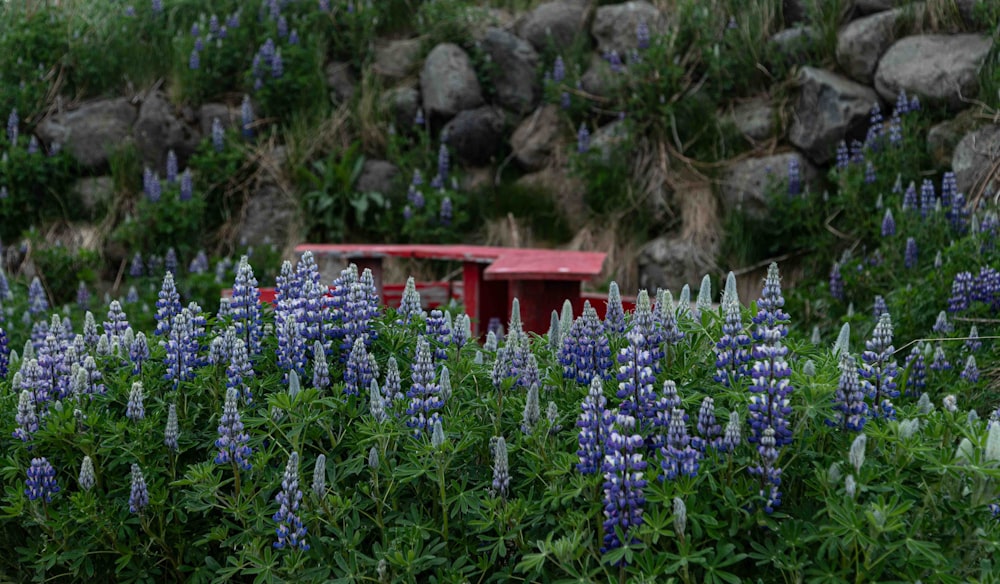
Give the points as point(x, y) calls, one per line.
point(542, 279)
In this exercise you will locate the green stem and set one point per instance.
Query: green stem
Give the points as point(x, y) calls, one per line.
point(444, 499)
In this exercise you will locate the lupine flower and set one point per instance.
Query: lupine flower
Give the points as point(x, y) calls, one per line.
point(199, 265)
point(501, 471)
point(732, 437)
point(290, 531)
point(794, 177)
point(910, 255)
point(916, 380)
point(615, 61)
point(635, 383)
point(767, 470)
point(41, 481)
point(888, 224)
point(462, 330)
point(187, 185)
point(423, 393)
point(182, 348)
point(12, 127)
point(878, 370)
point(940, 362)
point(168, 304)
point(732, 353)
point(623, 470)
point(246, 309)
point(709, 431)
point(418, 119)
point(586, 352)
point(444, 159)
point(247, 117)
point(357, 374)
point(38, 302)
point(558, 70)
point(218, 135)
point(240, 370)
point(770, 388)
point(438, 331)
point(194, 61)
point(172, 432)
point(849, 399)
point(319, 477)
point(593, 424)
point(532, 410)
point(171, 166)
point(941, 325)
point(583, 139)
point(321, 371)
point(927, 198)
point(870, 175)
point(678, 457)
point(87, 478)
point(614, 318)
point(961, 292)
point(445, 214)
point(836, 283)
point(843, 158)
point(4, 354)
point(857, 152)
point(5, 293)
point(135, 410)
point(972, 343)
point(232, 441)
point(644, 323)
point(139, 495)
point(642, 35)
point(971, 371)
point(27, 417)
point(879, 308)
point(282, 27)
point(376, 403)
point(950, 403)
point(392, 387)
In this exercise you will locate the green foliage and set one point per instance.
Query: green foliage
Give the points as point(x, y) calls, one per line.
point(65, 268)
point(36, 187)
point(171, 222)
point(220, 178)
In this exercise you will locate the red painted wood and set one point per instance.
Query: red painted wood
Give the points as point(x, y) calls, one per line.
point(538, 298)
point(545, 264)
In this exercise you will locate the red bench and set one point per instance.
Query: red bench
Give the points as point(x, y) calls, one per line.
point(491, 276)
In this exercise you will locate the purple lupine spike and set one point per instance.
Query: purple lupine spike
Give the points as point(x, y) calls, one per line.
point(709, 431)
point(5, 293)
point(794, 176)
point(437, 330)
point(593, 430)
point(171, 433)
point(182, 348)
point(138, 498)
point(767, 470)
point(623, 468)
point(12, 127)
point(233, 21)
point(636, 383)
point(137, 267)
point(168, 304)
point(888, 224)
point(41, 481)
point(949, 188)
point(4, 354)
point(392, 388)
point(213, 25)
point(418, 119)
point(171, 166)
point(910, 200)
point(409, 306)
point(843, 157)
point(187, 185)
point(836, 283)
point(277, 65)
point(972, 343)
point(445, 214)
point(583, 139)
point(321, 371)
point(423, 393)
point(26, 417)
point(971, 372)
point(558, 70)
point(240, 370)
point(233, 441)
point(282, 27)
point(246, 307)
point(135, 410)
point(444, 159)
point(116, 324)
point(645, 323)
point(290, 531)
point(849, 399)
point(585, 352)
point(614, 317)
point(958, 215)
point(194, 61)
point(857, 152)
point(82, 296)
point(732, 350)
point(940, 362)
point(878, 370)
point(895, 130)
point(677, 456)
point(910, 255)
point(941, 325)
point(195, 30)
point(38, 301)
point(879, 307)
point(501, 470)
point(247, 117)
point(357, 374)
point(615, 61)
point(902, 103)
point(199, 265)
point(770, 389)
point(961, 292)
point(916, 380)
point(138, 352)
point(915, 103)
point(870, 175)
point(218, 135)
point(293, 37)
point(642, 35)
point(927, 198)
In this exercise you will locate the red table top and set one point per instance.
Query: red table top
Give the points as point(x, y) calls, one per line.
point(506, 263)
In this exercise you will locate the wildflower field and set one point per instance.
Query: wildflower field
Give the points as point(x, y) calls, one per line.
point(842, 430)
